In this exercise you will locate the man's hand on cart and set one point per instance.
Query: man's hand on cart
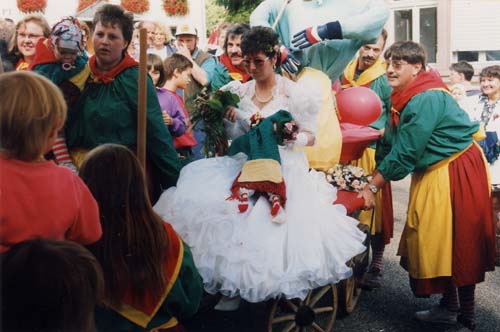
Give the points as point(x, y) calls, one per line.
point(369, 198)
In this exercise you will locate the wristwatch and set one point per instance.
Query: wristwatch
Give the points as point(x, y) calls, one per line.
point(373, 188)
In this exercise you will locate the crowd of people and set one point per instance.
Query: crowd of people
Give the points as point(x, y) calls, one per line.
point(90, 239)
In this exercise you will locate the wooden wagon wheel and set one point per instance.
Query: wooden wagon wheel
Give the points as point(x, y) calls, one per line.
point(349, 289)
point(349, 294)
point(316, 313)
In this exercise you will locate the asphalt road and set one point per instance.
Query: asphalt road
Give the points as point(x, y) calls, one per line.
point(388, 309)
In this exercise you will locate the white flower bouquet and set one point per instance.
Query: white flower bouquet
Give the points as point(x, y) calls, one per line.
point(347, 177)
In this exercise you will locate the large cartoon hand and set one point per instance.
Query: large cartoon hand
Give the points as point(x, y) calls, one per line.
point(312, 35)
point(289, 63)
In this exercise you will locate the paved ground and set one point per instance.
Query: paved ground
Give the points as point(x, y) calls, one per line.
point(386, 310)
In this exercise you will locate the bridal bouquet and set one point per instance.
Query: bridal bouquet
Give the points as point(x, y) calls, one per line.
point(347, 177)
point(208, 110)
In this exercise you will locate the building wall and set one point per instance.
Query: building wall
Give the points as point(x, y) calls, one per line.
point(59, 8)
point(466, 29)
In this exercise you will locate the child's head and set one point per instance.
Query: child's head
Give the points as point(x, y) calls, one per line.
point(49, 285)
point(155, 69)
point(489, 80)
point(66, 39)
point(116, 179)
point(458, 91)
point(178, 68)
point(31, 113)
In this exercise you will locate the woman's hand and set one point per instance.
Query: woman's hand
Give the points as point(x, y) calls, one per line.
point(167, 119)
point(368, 196)
point(230, 113)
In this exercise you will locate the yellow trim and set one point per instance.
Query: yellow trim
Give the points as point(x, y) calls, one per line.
point(367, 162)
point(427, 238)
point(261, 170)
point(139, 317)
point(80, 78)
point(171, 323)
point(368, 75)
point(78, 156)
point(236, 76)
point(325, 153)
point(428, 233)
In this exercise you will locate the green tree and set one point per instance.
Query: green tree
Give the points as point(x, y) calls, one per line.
point(238, 11)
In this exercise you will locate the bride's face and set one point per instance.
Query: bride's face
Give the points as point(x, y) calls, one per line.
point(259, 65)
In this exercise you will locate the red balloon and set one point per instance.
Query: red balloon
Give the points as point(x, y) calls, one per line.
point(358, 105)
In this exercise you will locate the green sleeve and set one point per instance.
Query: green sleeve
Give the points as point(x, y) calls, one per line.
point(184, 298)
point(220, 77)
point(381, 87)
point(416, 125)
point(432, 127)
point(159, 144)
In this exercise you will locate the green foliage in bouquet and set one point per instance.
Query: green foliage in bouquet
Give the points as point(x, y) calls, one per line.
point(209, 110)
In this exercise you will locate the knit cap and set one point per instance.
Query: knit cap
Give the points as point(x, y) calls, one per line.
point(67, 34)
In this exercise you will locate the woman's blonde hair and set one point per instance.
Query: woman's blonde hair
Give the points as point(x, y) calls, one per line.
point(163, 30)
point(37, 19)
point(32, 108)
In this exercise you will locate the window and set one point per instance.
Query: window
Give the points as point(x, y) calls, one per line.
point(493, 55)
point(428, 32)
point(419, 25)
point(403, 25)
point(469, 56)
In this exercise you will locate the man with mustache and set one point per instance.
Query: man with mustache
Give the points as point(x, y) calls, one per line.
point(368, 70)
point(230, 66)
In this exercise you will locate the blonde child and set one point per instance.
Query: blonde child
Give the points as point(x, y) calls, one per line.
point(37, 197)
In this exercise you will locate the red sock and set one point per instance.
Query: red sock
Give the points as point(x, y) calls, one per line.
point(60, 151)
point(243, 203)
point(276, 205)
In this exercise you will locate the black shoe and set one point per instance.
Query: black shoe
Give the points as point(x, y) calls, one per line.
point(468, 323)
point(372, 279)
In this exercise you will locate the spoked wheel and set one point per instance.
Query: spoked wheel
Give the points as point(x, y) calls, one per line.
point(316, 313)
point(349, 294)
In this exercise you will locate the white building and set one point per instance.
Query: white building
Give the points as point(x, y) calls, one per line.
point(450, 30)
point(56, 9)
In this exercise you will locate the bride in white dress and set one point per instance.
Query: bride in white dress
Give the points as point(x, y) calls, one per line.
point(246, 254)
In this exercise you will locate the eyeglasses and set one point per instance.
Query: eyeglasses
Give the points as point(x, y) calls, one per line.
point(257, 62)
point(30, 36)
point(396, 64)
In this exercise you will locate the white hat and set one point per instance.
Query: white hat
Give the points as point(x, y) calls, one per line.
point(67, 34)
point(186, 29)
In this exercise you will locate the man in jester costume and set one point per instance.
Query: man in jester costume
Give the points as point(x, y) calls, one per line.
point(230, 66)
point(368, 70)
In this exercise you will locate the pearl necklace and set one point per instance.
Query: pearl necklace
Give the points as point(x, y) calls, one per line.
point(262, 101)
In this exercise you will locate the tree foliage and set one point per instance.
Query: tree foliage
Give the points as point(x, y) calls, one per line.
point(234, 6)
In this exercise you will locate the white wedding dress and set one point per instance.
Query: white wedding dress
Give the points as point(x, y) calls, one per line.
point(246, 254)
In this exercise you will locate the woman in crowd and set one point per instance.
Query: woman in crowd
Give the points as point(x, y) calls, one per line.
point(161, 43)
point(485, 108)
point(107, 109)
point(248, 253)
point(150, 277)
point(22, 45)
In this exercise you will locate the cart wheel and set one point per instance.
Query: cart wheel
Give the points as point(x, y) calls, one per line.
point(349, 293)
point(316, 313)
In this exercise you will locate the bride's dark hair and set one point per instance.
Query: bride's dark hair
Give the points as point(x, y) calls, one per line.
point(261, 39)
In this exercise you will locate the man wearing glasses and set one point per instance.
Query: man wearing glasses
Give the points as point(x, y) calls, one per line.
point(448, 241)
